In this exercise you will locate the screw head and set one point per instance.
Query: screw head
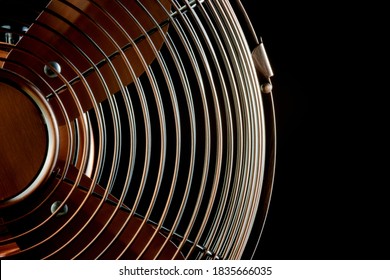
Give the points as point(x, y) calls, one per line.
point(266, 88)
point(52, 69)
point(63, 211)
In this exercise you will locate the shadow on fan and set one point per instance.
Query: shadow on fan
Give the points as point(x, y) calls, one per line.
point(133, 129)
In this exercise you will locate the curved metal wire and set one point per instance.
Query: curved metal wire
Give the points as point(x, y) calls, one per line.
point(162, 135)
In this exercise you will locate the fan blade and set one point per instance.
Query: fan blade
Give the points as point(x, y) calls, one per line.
point(3, 57)
point(93, 227)
point(8, 248)
point(99, 46)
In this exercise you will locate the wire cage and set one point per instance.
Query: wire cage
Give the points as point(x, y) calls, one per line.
point(133, 129)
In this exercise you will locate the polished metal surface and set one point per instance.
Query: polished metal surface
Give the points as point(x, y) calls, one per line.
point(28, 141)
point(23, 142)
point(161, 145)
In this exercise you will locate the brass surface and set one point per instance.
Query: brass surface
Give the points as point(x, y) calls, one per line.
point(23, 141)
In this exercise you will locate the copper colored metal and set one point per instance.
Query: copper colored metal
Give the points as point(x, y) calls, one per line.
point(134, 129)
point(28, 140)
point(23, 141)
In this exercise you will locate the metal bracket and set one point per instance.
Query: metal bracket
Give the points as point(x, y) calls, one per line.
point(263, 67)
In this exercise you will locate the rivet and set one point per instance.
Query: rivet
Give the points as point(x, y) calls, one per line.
point(52, 69)
point(266, 88)
point(63, 211)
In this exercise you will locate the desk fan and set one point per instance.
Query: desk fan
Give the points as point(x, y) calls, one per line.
point(133, 129)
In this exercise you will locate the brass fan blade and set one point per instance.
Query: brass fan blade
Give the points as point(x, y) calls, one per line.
point(100, 48)
point(92, 227)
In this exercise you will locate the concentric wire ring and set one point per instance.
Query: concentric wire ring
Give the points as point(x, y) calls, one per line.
point(162, 151)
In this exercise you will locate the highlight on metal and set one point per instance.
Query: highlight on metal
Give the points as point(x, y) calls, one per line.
point(134, 129)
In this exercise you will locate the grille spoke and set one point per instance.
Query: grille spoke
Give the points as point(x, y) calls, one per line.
point(161, 143)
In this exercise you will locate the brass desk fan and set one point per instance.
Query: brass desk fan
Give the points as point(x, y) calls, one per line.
point(133, 129)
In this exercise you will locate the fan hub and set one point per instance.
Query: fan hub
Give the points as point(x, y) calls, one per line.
point(27, 142)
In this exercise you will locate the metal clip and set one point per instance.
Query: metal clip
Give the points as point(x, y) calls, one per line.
point(263, 67)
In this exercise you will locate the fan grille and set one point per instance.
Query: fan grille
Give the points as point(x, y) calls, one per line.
point(161, 128)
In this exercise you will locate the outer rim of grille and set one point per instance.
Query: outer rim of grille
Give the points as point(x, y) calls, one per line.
point(182, 148)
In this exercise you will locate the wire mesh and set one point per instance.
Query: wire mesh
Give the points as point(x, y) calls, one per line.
point(160, 132)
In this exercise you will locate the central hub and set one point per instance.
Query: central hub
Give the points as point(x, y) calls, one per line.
point(28, 143)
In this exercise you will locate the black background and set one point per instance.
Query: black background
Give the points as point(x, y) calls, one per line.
point(330, 196)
